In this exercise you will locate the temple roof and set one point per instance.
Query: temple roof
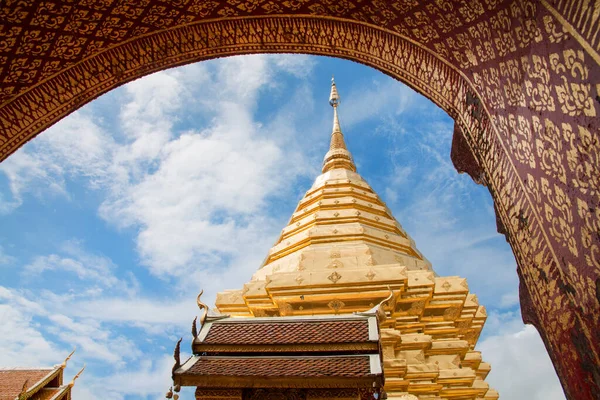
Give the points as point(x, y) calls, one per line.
point(348, 371)
point(274, 331)
point(35, 383)
point(242, 352)
point(349, 366)
point(12, 380)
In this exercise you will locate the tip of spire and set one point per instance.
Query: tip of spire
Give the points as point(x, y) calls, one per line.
point(334, 97)
point(338, 155)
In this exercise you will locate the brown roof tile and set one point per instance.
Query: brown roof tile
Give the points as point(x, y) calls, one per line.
point(300, 332)
point(11, 380)
point(304, 367)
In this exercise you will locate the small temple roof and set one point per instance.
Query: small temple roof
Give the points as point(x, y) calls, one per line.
point(13, 379)
point(249, 352)
point(35, 383)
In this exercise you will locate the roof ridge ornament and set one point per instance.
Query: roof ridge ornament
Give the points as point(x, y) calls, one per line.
point(64, 363)
point(338, 155)
point(194, 328)
point(72, 383)
point(203, 308)
point(378, 310)
point(177, 357)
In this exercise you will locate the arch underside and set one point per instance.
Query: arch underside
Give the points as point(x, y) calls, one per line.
point(519, 80)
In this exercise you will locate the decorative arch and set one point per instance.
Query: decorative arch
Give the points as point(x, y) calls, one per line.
point(520, 78)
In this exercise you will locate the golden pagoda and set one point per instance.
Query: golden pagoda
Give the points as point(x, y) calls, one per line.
point(344, 306)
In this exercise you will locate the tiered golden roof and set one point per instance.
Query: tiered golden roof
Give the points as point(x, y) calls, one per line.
point(342, 252)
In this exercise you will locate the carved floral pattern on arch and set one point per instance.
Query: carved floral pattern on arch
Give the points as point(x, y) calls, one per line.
point(559, 216)
point(590, 232)
point(537, 83)
point(583, 158)
point(519, 129)
point(548, 144)
point(574, 98)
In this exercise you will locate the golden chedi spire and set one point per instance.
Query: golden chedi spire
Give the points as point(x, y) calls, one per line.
point(343, 252)
point(338, 155)
point(340, 223)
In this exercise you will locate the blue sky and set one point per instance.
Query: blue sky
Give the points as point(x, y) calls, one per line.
point(113, 219)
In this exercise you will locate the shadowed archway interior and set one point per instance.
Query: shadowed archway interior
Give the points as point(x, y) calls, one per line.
point(520, 79)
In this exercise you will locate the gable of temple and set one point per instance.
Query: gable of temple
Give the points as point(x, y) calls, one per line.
point(343, 253)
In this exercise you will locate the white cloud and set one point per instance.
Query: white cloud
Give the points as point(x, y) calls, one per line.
point(208, 189)
point(74, 259)
point(21, 340)
point(201, 175)
point(76, 147)
point(521, 367)
point(29, 333)
point(28, 173)
point(96, 342)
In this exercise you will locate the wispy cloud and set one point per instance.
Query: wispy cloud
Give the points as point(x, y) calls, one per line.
point(73, 259)
point(209, 188)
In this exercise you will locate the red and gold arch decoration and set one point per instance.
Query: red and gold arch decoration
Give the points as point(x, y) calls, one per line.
point(521, 78)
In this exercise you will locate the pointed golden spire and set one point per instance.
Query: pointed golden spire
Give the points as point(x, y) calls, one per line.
point(338, 155)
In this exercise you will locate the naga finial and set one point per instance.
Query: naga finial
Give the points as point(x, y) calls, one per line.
point(194, 328)
point(203, 307)
point(391, 296)
point(64, 363)
point(72, 383)
point(177, 358)
point(381, 316)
